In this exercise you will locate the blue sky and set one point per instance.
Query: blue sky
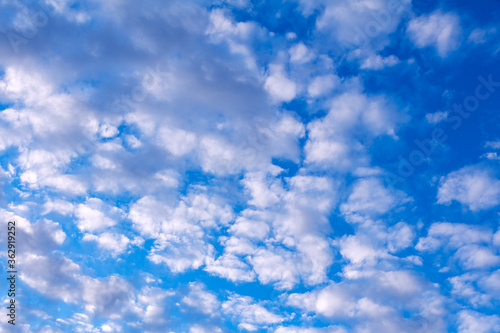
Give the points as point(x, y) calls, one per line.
point(303, 166)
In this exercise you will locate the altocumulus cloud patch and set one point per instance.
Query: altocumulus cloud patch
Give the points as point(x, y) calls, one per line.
point(247, 166)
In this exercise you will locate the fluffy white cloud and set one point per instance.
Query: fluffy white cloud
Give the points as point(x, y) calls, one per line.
point(251, 224)
point(280, 87)
point(474, 322)
point(362, 304)
point(43, 168)
point(95, 215)
point(201, 299)
point(355, 24)
point(332, 140)
point(263, 195)
point(443, 31)
point(180, 233)
point(284, 229)
point(41, 237)
point(358, 251)
point(472, 245)
point(111, 327)
point(248, 314)
point(232, 268)
point(454, 235)
point(276, 265)
point(478, 288)
point(300, 54)
point(115, 243)
point(60, 206)
point(146, 214)
point(176, 141)
point(221, 157)
point(182, 248)
point(223, 28)
point(61, 278)
point(474, 256)
point(472, 186)
point(322, 85)
point(370, 197)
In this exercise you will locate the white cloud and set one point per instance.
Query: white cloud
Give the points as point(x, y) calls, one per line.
point(29, 86)
point(182, 249)
point(474, 322)
point(146, 215)
point(263, 195)
point(333, 139)
point(322, 85)
point(473, 256)
point(43, 168)
point(107, 130)
point(358, 24)
point(111, 327)
point(436, 117)
point(300, 54)
point(443, 31)
point(464, 288)
point(491, 284)
point(376, 62)
point(133, 141)
point(400, 236)
point(249, 314)
point(209, 114)
point(201, 299)
point(176, 141)
point(251, 224)
point(180, 233)
point(237, 245)
point(472, 186)
point(494, 156)
point(204, 329)
point(481, 36)
point(472, 244)
point(493, 144)
point(294, 329)
point(151, 304)
point(276, 265)
point(279, 87)
point(232, 268)
point(115, 243)
point(373, 303)
point(221, 25)
point(294, 218)
point(236, 34)
point(95, 215)
point(170, 178)
point(220, 157)
point(491, 156)
point(357, 251)
point(369, 196)
point(478, 288)
point(285, 269)
point(41, 237)
point(454, 235)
